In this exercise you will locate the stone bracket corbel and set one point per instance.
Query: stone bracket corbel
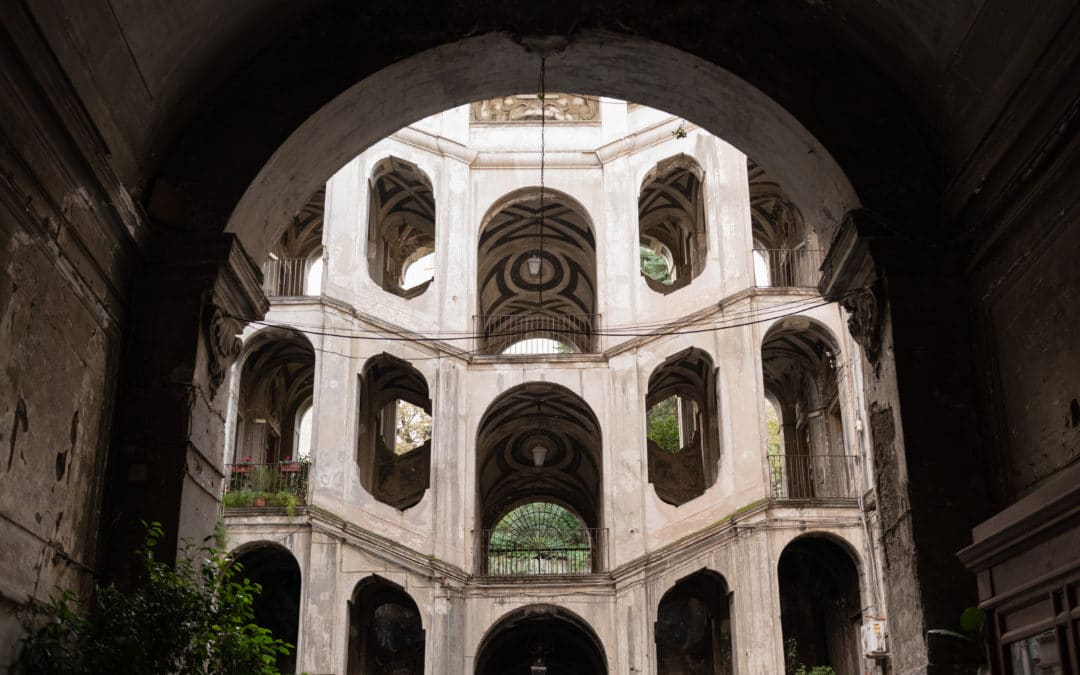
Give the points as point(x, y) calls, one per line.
point(852, 275)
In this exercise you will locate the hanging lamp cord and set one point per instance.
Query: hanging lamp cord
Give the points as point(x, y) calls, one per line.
point(543, 148)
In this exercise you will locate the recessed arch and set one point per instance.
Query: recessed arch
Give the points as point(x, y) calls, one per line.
point(386, 630)
point(392, 453)
point(820, 603)
point(536, 272)
point(629, 68)
point(562, 641)
point(800, 360)
point(401, 224)
point(693, 631)
point(277, 607)
point(671, 221)
point(558, 421)
point(682, 426)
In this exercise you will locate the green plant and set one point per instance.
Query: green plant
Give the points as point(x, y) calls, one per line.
point(662, 424)
point(793, 665)
point(238, 498)
point(654, 266)
point(192, 618)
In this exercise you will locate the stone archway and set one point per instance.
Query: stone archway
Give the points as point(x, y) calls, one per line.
point(541, 635)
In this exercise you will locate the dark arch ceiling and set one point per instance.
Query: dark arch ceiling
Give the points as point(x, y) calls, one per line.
point(302, 237)
point(200, 94)
point(539, 413)
point(567, 284)
point(281, 365)
point(775, 220)
point(795, 356)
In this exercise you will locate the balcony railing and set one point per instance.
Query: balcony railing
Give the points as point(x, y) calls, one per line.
point(279, 484)
point(787, 267)
point(519, 334)
point(517, 554)
point(292, 277)
point(813, 476)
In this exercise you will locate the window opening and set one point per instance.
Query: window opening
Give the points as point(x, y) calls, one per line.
point(539, 538)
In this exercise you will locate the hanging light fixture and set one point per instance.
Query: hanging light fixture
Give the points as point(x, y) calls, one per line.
point(536, 260)
point(539, 453)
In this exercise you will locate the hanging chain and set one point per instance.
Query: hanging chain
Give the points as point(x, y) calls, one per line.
point(543, 148)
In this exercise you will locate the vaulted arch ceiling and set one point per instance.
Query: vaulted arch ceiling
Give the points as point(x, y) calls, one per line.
point(551, 416)
point(567, 284)
point(687, 374)
point(281, 365)
point(775, 220)
point(798, 358)
point(302, 238)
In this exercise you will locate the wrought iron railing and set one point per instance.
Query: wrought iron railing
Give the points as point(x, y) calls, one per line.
point(813, 476)
point(519, 334)
point(518, 554)
point(289, 277)
point(787, 267)
point(279, 484)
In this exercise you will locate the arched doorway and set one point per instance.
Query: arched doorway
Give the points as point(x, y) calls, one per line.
point(539, 472)
point(386, 633)
point(820, 607)
point(541, 640)
point(693, 627)
point(278, 606)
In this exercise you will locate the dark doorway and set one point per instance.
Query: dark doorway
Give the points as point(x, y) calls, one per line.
point(541, 636)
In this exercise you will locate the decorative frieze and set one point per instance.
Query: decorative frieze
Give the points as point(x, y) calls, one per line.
point(529, 108)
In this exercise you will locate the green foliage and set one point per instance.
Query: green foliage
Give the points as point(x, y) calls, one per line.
point(793, 665)
point(191, 618)
point(662, 424)
point(654, 266)
point(775, 450)
point(238, 498)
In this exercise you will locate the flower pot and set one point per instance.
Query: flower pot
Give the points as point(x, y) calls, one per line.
point(260, 501)
point(241, 468)
point(289, 467)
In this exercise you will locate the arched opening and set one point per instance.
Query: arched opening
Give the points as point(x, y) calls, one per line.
point(671, 224)
point(539, 479)
point(394, 431)
point(784, 254)
point(541, 640)
point(536, 274)
point(295, 264)
point(276, 387)
point(820, 607)
point(401, 227)
point(682, 428)
point(799, 358)
point(386, 632)
point(278, 606)
point(693, 627)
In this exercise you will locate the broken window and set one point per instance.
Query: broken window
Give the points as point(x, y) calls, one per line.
point(394, 432)
point(401, 228)
point(671, 224)
point(681, 427)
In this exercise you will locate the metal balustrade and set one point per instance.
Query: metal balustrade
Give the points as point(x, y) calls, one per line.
point(517, 553)
point(787, 267)
point(520, 334)
point(813, 476)
point(266, 484)
point(288, 277)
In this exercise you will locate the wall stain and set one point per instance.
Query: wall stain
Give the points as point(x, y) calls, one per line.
point(19, 419)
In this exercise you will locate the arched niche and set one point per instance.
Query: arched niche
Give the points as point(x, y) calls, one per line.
point(799, 359)
point(693, 627)
point(536, 272)
point(785, 254)
point(539, 442)
point(401, 224)
point(541, 636)
point(386, 631)
point(277, 607)
point(682, 429)
point(820, 606)
point(277, 382)
point(393, 450)
point(671, 222)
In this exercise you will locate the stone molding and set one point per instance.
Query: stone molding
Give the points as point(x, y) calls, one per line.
point(528, 108)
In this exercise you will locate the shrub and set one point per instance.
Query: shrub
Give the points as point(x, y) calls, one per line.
point(191, 618)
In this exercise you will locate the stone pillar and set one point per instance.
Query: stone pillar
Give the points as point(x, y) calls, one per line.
point(906, 310)
point(167, 455)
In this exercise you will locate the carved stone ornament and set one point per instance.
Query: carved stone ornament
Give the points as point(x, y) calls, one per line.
point(865, 321)
point(222, 345)
point(527, 108)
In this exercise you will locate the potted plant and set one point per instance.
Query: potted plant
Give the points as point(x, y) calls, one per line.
point(243, 467)
point(288, 465)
